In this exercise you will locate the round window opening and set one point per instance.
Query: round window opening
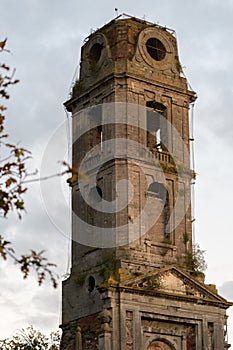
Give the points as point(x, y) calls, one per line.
point(156, 49)
point(95, 53)
point(91, 284)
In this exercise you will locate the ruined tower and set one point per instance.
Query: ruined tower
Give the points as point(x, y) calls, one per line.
point(135, 282)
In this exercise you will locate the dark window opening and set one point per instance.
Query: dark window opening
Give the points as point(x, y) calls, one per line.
point(159, 191)
point(95, 53)
point(99, 136)
point(99, 191)
point(91, 284)
point(96, 131)
point(95, 113)
point(96, 194)
point(166, 216)
point(156, 49)
point(156, 125)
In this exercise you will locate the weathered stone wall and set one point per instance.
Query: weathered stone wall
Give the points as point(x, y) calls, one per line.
point(87, 328)
point(115, 298)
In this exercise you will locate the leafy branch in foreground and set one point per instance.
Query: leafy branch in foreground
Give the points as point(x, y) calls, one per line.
point(13, 174)
point(13, 166)
point(31, 339)
point(34, 260)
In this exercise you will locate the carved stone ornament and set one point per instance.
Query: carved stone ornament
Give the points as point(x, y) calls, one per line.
point(95, 54)
point(149, 33)
point(105, 318)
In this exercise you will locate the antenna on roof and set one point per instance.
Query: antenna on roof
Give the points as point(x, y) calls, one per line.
point(116, 10)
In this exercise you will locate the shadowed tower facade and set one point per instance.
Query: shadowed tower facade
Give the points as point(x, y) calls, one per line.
point(135, 283)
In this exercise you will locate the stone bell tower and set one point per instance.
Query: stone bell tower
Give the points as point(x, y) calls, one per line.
point(135, 283)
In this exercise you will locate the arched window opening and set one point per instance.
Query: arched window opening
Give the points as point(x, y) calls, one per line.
point(91, 284)
point(159, 191)
point(95, 53)
point(156, 125)
point(96, 194)
point(99, 136)
point(160, 344)
point(99, 191)
point(96, 130)
point(166, 217)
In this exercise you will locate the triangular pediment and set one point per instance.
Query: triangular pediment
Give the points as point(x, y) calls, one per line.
point(173, 282)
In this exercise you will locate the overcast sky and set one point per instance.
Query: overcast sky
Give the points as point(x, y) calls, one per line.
point(45, 38)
